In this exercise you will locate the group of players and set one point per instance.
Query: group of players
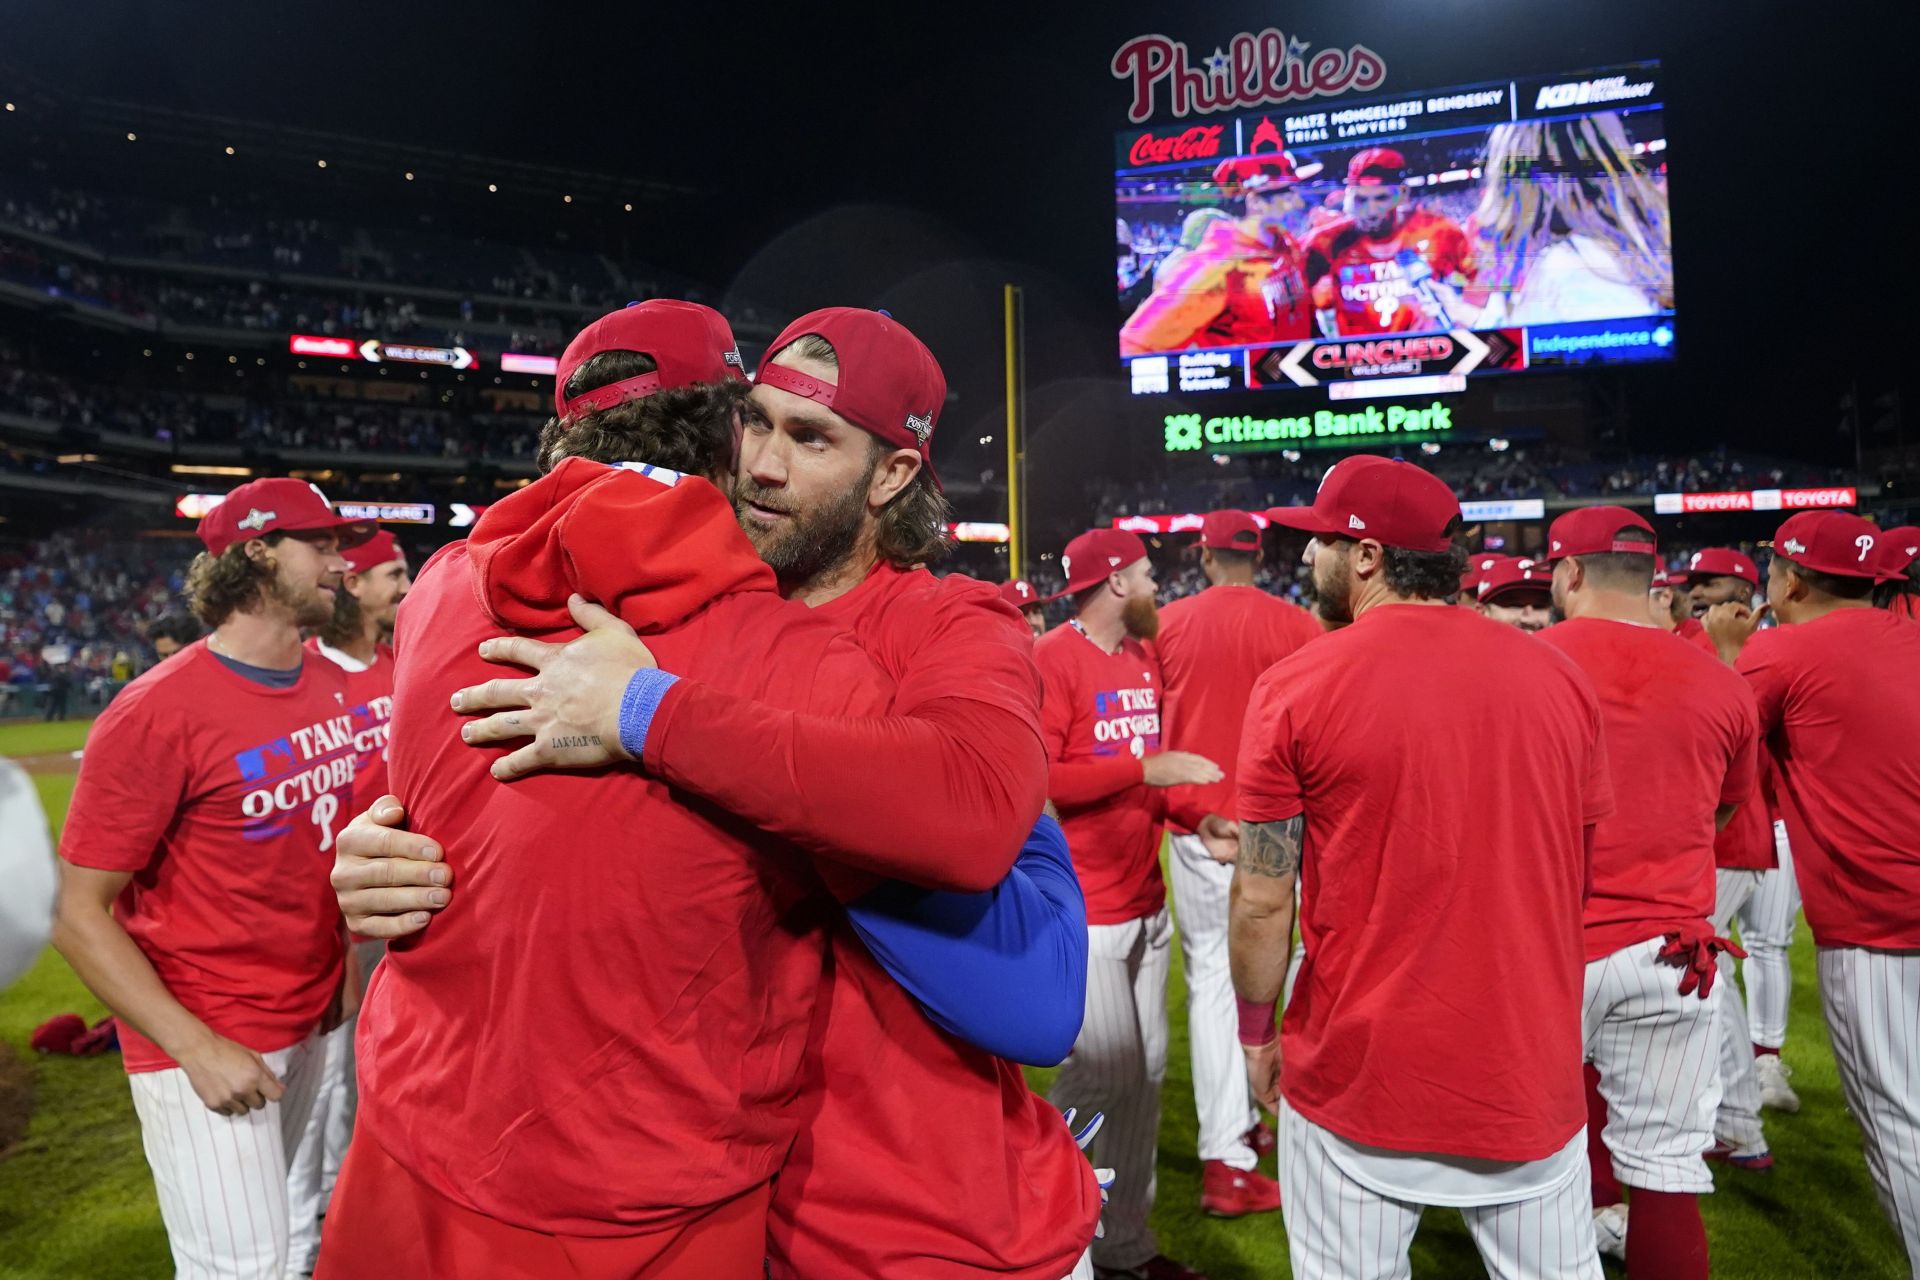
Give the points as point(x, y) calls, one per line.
point(718, 940)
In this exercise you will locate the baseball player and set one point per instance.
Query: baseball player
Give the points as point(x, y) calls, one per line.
point(1420, 1068)
point(843, 406)
point(171, 632)
point(357, 641)
point(1838, 704)
point(1517, 592)
point(1478, 567)
point(1242, 282)
point(1758, 890)
point(1900, 592)
point(193, 895)
point(1664, 602)
point(1212, 647)
point(1687, 757)
point(1101, 717)
point(1020, 594)
point(1388, 266)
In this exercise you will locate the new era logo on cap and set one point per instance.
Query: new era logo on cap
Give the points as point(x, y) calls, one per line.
point(1355, 522)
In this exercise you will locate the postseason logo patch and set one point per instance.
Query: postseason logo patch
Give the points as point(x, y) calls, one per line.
point(921, 424)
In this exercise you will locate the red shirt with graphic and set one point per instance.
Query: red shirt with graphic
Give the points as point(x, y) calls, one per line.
point(370, 699)
point(1101, 715)
point(222, 796)
point(1357, 276)
point(1235, 288)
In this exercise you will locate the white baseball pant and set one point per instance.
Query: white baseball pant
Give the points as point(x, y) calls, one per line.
point(316, 1164)
point(1766, 932)
point(1872, 1000)
point(1341, 1229)
point(1083, 1269)
point(1739, 1118)
point(222, 1180)
point(1656, 1051)
point(1117, 1066)
point(1221, 1095)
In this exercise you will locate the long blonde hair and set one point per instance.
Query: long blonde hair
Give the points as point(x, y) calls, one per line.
point(1548, 179)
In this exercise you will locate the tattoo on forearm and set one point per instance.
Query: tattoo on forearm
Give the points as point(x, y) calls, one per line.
point(584, 740)
point(1271, 848)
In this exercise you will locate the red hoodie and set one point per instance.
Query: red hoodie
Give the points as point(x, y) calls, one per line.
point(606, 1037)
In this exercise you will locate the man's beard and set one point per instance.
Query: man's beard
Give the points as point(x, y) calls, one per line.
point(1141, 617)
point(311, 607)
point(812, 542)
point(1333, 592)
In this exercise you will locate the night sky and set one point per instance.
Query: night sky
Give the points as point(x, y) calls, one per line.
point(917, 156)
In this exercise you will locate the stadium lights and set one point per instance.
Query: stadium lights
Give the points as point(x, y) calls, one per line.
point(629, 208)
point(10, 106)
point(189, 355)
point(147, 352)
point(133, 137)
point(229, 150)
point(321, 163)
point(1429, 448)
point(567, 199)
point(493, 186)
point(1499, 444)
point(189, 469)
point(233, 359)
point(409, 175)
point(70, 458)
point(986, 439)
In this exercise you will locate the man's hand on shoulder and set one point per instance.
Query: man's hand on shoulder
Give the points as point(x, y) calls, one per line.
point(571, 706)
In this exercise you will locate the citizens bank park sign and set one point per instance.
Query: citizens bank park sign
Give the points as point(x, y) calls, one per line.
point(1254, 69)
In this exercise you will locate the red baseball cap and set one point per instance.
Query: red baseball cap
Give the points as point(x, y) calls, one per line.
point(889, 383)
point(1377, 167)
point(1661, 578)
point(1020, 594)
point(1835, 542)
point(1478, 567)
point(1393, 502)
point(1592, 531)
point(1515, 577)
point(689, 343)
point(1096, 553)
point(1722, 562)
point(277, 505)
point(1253, 175)
point(1899, 547)
point(1230, 531)
point(377, 550)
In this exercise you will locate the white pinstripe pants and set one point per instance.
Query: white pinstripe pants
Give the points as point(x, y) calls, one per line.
point(315, 1165)
point(1655, 1050)
point(222, 1180)
point(1766, 932)
point(1220, 1092)
point(1739, 1119)
point(1872, 1000)
point(1340, 1229)
point(1117, 1066)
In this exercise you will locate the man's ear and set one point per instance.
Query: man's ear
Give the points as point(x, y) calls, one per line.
point(893, 474)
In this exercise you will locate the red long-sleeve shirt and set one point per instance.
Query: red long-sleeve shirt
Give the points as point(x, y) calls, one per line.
point(940, 792)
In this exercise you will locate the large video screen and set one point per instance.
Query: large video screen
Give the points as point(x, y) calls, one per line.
point(1490, 228)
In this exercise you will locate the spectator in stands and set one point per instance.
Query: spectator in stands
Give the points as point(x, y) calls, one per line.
point(171, 632)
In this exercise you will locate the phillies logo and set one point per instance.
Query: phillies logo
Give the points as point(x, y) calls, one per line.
point(1254, 69)
point(1865, 543)
point(1201, 142)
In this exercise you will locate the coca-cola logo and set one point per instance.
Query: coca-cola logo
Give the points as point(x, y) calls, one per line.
point(1201, 142)
point(1256, 68)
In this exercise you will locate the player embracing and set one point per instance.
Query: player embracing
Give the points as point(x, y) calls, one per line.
point(1838, 705)
point(1389, 265)
point(194, 898)
point(1430, 775)
point(1681, 735)
point(1242, 283)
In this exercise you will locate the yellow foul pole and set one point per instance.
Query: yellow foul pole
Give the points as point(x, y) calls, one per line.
point(1015, 542)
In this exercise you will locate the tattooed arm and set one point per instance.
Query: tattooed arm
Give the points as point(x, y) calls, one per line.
point(1260, 938)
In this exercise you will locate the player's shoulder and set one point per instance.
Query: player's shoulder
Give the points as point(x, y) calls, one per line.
point(1334, 235)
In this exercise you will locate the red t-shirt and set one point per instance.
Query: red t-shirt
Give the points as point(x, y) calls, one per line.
point(1682, 737)
point(1694, 631)
point(605, 1036)
point(862, 1195)
point(1839, 702)
point(1446, 765)
point(370, 699)
point(223, 796)
point(1371, 291)
point(1101, 715)
point(1212, 647)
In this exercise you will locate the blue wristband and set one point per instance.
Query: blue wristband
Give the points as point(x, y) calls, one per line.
point(638, 705)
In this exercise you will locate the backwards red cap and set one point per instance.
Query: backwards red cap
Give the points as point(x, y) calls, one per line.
point(1377, 167)
point(377, 550)
point(887, 384)
point(1835, 542)
point(1096, 553)
point(1230, 531)
point(1723, 562)
point(1592, 531)
point(1899, 547)
point(1255, 175)
point(1393, 502)
point(689, 343)
point(1020, 594)
point(277, 505)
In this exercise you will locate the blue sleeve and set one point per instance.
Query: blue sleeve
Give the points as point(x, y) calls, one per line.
point(1006, 969)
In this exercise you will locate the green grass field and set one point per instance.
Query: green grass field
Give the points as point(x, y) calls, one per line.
point(76, 1200)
